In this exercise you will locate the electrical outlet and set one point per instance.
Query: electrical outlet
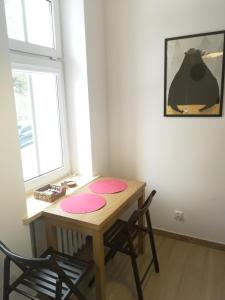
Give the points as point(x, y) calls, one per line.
point(179, 215)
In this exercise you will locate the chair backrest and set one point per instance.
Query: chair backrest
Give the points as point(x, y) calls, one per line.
point(140, 212)
point(49, 262)
point(26, 263)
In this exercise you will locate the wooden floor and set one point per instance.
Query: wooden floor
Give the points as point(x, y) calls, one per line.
point(187, 272)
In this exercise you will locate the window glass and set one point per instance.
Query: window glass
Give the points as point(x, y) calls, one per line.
point(38, 120)
point(39, 22)
point(14, 16)
point(47, 121)
point(30, 21)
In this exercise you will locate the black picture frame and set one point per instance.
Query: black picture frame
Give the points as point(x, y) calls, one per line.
point(194, 75)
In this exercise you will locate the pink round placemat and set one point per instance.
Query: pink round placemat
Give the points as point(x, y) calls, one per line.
point(108, 186)
point(82, 203)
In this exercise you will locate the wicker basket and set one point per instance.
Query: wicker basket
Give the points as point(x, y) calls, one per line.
point(50, 192)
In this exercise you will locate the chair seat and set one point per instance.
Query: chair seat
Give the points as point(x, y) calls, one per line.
point(116, 236)
point(43, 280)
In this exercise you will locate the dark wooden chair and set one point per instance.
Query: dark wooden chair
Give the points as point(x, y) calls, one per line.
point(120, 238)
point(54, 275)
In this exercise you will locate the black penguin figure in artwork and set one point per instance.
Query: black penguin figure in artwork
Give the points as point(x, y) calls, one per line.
point(193, 83)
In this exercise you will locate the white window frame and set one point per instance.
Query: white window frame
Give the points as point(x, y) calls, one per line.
point(29, 57)
point(56, 52)
point(30, 63)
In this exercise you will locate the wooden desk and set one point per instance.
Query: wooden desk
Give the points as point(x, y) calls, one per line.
point(95, 224)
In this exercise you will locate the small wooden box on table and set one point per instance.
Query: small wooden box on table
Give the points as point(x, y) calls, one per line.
point(95, 224)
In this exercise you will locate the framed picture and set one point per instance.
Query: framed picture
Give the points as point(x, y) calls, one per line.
point(194, 75)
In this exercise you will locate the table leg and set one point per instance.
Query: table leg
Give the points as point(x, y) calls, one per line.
point(98, 254)
point(141, 239)
point(33, 239)
point(51, 235)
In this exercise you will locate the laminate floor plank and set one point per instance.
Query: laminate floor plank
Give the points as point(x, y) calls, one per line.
point(187, 272)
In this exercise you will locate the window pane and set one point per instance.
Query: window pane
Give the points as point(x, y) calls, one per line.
point(30, 21)
point(25, 124)
point(38, 122)
point(39, 22)
point(14, 18)
point(47, 121)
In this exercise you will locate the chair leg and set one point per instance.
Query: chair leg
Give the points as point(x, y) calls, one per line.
point(135, 269)
point(110, 255)
point(6, 290)
point(137, 277)
point(152, 242)
point(91, 282)
point(112, 252)
point(58, 289)
point(78, 294)
point(6, 294)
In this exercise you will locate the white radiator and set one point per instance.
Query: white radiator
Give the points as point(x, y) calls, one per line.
point(70, 242)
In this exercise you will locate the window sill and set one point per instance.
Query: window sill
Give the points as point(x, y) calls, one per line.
point(36, 207)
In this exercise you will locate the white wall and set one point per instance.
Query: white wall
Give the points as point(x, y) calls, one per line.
point(84, 62)
point(182, 158)
point(96, 64)
point(76, 84)
point(12, 198)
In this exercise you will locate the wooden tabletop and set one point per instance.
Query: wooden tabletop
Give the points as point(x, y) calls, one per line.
point(99, 219)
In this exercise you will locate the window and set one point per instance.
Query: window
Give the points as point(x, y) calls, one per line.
point(38, 89)
point(38, 122)
point(33, 26)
